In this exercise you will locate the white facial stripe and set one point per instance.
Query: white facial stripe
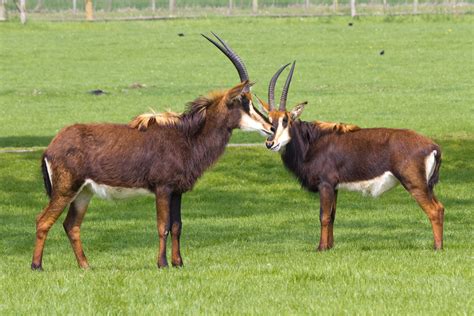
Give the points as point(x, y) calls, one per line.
point(254, 113)
point(247, 123)
point(279, 130)
point(282, 136)
point(252, 121)
point(251, 109)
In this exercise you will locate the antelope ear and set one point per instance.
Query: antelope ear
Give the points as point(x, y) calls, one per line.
point(297, 110)
point(263, 105)
point(238, 90)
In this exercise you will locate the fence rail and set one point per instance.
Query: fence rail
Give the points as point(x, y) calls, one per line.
point(148, 9)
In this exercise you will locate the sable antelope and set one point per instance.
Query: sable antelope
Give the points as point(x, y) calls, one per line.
point(161, 154)
point(326, 157)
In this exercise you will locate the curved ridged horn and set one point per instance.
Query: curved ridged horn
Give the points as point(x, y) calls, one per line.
point(284, 94)
point(234, 58)
point(271, 87)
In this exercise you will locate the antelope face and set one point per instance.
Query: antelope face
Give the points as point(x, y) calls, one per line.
point(281, 125)
point(251, 119)
point(280, 118)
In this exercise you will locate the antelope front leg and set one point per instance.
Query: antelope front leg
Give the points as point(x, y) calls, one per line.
point(176, 225)
point(327, 197)
point(331, 224)
point(163, 197)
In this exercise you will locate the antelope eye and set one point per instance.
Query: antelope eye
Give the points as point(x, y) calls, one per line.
point(272, 129)
point(246, 104)
point(285, 120)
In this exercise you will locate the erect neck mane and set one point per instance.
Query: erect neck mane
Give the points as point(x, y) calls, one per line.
point(190, 122)
point(302, 135)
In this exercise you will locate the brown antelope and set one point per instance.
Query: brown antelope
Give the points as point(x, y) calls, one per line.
point(326, 157)
point(161, 154)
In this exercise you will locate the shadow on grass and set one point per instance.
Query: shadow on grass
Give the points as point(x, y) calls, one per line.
point(25, 141)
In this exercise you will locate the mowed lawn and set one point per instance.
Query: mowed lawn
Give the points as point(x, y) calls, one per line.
point(250, 232)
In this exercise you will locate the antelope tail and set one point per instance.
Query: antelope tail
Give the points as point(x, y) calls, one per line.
point(45, 168)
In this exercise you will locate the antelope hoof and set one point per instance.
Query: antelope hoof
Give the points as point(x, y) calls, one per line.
point(177, 263)
point(36, 267)
point(323, 248)
point(162, 264)
point(85, 266)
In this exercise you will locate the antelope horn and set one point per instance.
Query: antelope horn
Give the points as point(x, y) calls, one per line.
point(271, 87)
point(234, 58)
point(284, 94)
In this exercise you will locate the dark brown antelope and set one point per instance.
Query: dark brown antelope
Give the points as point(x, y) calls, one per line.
point(161, 154)
point(326, 157)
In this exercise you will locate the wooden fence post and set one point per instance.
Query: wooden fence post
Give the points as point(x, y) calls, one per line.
point(21, 6)
point(109, 6)
point(231, 5)
point(385, 7)
point(306, 4)
point(74, 6)
point(3, 11)
point(172, 7)
point(415, 6)
point(335, 4)
point(89, 10)
point(254, 6)
point(39, 6)
point(153, 5)
point(353, 8)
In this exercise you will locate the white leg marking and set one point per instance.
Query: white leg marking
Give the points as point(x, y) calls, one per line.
point(374, 187)
point(430, 165)
point(50, 172)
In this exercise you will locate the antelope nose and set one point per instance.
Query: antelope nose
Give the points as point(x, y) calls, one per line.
point(269, 144)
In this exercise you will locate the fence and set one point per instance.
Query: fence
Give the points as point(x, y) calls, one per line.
point(149, 9)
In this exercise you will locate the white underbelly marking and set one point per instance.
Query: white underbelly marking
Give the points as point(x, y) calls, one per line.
point(430, 165)
point(107, 192)
point(375, 187)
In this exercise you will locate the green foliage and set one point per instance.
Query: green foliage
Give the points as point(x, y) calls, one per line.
point(250, 232)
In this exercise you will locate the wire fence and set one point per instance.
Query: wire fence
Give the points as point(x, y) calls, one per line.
point(156, 9)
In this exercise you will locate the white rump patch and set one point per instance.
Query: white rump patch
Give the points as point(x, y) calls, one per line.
point(430, 164)
point(112, 193)
point(375, 187)
point(50, 171)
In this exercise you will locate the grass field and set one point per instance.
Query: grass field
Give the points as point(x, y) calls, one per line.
point(250, 232)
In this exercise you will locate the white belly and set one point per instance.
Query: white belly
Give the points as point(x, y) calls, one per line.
point(374, 187)
point(112, 193)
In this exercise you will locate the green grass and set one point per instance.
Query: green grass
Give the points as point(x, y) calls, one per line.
point(249, 247)
point(250, 232)
point(426, 71)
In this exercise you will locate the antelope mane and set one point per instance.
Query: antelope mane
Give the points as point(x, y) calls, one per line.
point(143, 121)
point(189, 121)
point(340, 128)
